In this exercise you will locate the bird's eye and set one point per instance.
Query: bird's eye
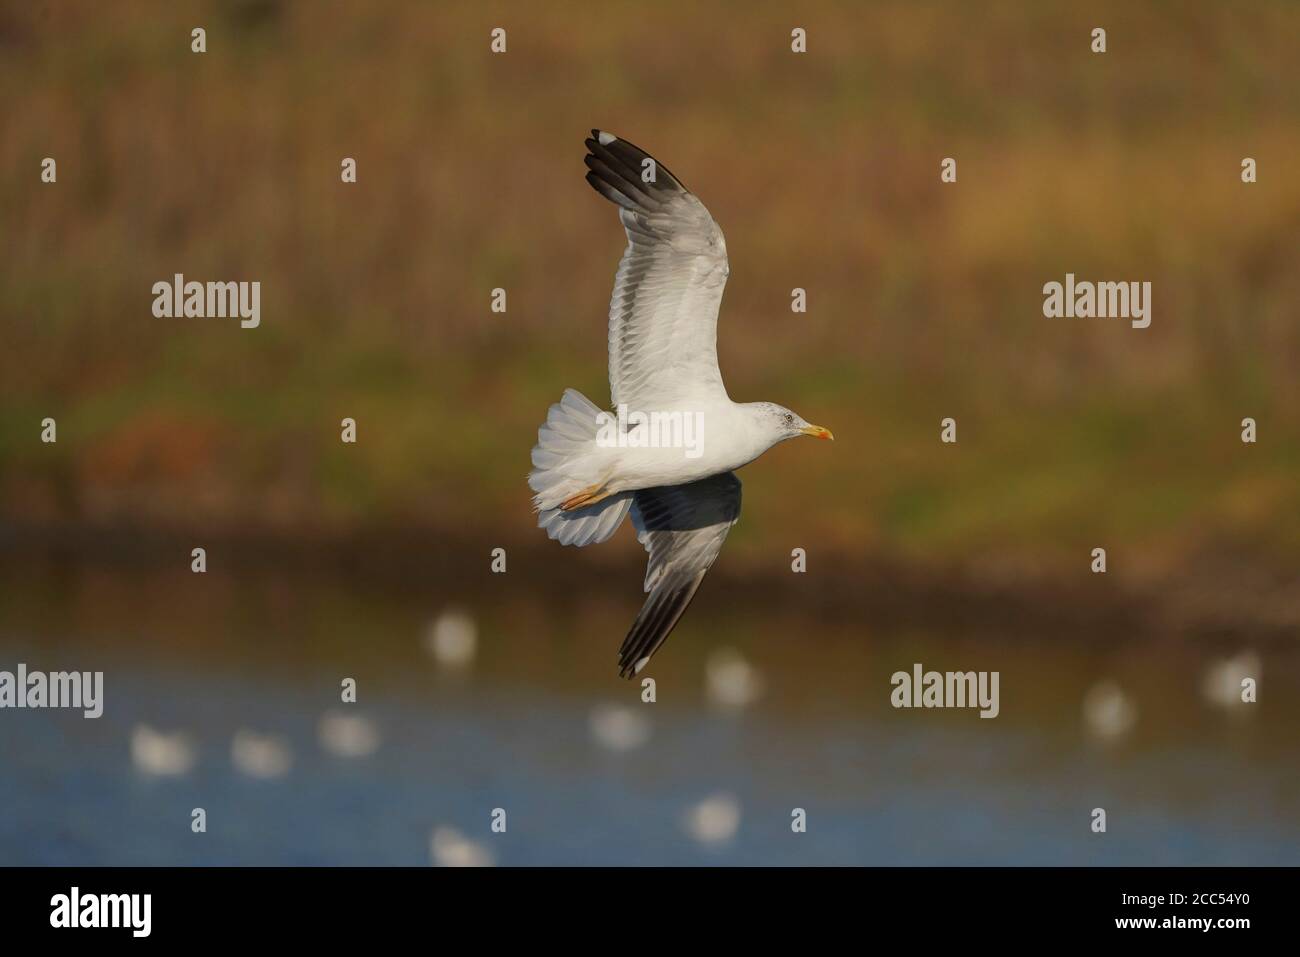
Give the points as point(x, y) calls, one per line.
point(789, 419)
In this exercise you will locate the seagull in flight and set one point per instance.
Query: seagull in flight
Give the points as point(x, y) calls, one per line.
point(668, 455)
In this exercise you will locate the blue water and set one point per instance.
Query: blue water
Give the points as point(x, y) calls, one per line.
point(878, 786)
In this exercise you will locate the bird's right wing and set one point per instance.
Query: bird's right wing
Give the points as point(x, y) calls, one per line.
point(683, 528)
point(663, 317)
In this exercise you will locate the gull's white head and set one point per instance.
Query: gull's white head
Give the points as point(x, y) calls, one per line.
point(778, 423)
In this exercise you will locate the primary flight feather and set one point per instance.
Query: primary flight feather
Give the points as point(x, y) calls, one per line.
point(667, 455)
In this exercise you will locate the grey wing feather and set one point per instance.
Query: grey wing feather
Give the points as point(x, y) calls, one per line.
point(682, 528)
point(663, 316)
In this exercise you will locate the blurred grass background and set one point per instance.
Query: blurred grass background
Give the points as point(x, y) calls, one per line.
point(823, 171)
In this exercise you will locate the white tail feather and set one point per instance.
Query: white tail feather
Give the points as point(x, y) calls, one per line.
point(566, 461)
point(586, 526)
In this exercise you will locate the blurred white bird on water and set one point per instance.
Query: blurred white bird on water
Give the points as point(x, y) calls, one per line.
point(715, 820)
point(731, 681)
point(160, 753)
point(260, 755)
point(1222, 683)
point(448, 847)
point(347, 735)
point(618, 727)
point(452, 638)
point(1108, 713)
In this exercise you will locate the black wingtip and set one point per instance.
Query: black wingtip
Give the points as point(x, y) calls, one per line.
point(620, 165)
point(656, 621)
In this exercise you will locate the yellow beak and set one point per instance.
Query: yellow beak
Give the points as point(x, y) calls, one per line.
point(817, 432)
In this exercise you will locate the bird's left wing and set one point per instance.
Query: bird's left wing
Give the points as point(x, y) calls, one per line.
point(663, 316)
point(683, 528)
